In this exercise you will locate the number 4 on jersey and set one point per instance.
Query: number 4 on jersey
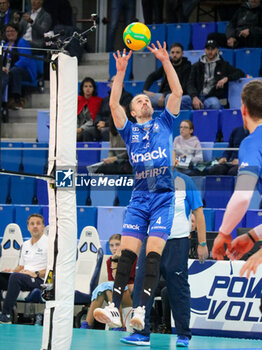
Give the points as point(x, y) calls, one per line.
point(159, 220)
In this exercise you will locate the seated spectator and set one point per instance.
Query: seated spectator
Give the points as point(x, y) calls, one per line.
point(103, 292)
point(88, 106)
point(30, 272)
point(244, 29)
point(228, 163)
point(16, 69)
point(209, 77)
point(102, 117)
point(187, 147)
point(182, 67)
point(33, 25)
point(117, 162)
point(7, 16)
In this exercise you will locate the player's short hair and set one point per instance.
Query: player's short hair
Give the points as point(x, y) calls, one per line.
point(35, 216)
point(115, 236)
point(251, 98)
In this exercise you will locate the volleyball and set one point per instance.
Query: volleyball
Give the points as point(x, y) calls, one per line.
point(136, 36)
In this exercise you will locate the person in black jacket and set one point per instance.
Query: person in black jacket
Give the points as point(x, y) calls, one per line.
point(182, 67)
point(228, 163)
point(244, 29)
point(209, 77)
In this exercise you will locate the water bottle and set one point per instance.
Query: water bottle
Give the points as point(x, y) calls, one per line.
point(38, 319)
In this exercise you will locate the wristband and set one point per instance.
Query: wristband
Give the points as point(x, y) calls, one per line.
point(203, 244)
point(250, 236)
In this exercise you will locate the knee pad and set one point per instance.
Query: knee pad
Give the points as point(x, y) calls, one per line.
point(152, 264)
point(126, 261)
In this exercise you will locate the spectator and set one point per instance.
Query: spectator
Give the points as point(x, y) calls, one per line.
point(209, 77)
point(6, 15)
point(228, 163)
point(16, 69)
point(244, 29)
point(117, 162)
point(104, 113)
point(103, 292)
point(88, 106)
point(30, 272)
point(117, 7)
point(179, 10)
point(153, 11)
point(182, 67)
point(187, 148)
point(62, 22)
point(174, 262)
point(33, 25)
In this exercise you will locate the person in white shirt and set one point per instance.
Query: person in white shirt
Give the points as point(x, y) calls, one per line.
point(30, 272)
point(33, 25)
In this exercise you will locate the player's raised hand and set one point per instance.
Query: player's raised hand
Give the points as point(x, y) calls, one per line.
point(122, 61)
point(239, 246)
point(218, 251)
point(252, 264)
point(159, 51)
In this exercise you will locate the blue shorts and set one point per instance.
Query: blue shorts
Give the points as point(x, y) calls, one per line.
point(150, 213)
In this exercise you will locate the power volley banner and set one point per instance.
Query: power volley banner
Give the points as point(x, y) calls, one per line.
point(222, 302)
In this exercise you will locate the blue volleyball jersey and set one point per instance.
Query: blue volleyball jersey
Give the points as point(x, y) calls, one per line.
point(250, 156)
point(149, 146)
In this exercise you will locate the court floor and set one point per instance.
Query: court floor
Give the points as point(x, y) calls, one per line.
point(20, 337)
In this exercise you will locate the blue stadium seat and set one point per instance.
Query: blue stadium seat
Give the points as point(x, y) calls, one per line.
point(21, 214)
point(228, 55)
point(134, 87)
point(112, 67)
point(218, 153)
point(158, 32)
point(103, 196)
point(155, 86)
point(207, 153)
point(221, 26)
point(209, 218)
point(23, 190)
point(253, 218)
point(39, 67)
point(110, 221)
point(104, 152)
point(249, 60)
point(229, 120)
point(82, 195)
point(179, 33)
point(219, 213)
point(5, 188)
point(193, 55)
point(200, 32)
point(218, 191)
point(86, 156)
point(6, 217)
point(103, 88)
point(205, 124)
point(182, 116)
point(45, 214)
point(234, 92)
point(43, 122)
point(41, 192)
point(200, 182)
point(34, 160)
point(86, 216)
point(11, 157)
point(124, 193)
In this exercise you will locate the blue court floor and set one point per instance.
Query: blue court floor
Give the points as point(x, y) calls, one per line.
point(20, 337)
